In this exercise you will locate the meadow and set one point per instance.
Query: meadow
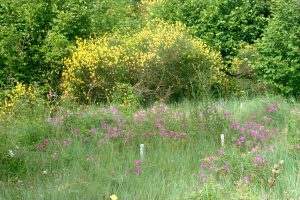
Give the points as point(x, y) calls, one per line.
point(93, 152)
point(149, 99)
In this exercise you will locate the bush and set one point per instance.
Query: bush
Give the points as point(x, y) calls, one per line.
point(160, 61)
point(125, 97)
point(19, 99)
point(278, 51)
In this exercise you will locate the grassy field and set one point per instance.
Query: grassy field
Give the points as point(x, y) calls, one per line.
point(93, 152)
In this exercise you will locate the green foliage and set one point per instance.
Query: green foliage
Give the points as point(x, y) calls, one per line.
point(244, 80)
point(124, 97)
point(279, 50)
point(36, 35)
point(224, 25)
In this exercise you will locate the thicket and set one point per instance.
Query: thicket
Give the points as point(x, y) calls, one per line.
point(37, 35)
point(160, 61)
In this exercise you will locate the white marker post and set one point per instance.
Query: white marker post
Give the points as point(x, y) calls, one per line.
point(241, 106)
point(222, 140)
point(142, 147)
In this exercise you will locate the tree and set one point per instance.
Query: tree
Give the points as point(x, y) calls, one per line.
point(279, 49)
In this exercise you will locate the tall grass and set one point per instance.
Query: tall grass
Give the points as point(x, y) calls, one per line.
point(93, 152)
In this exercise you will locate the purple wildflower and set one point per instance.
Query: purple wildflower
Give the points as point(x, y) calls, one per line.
point(202, 177)
point(171, 134)
point(137, 163)
point(266, 119)
point(246, 180)
point(138, 172)
point(113, 110)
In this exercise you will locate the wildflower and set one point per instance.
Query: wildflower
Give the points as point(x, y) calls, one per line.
point(252, 133)
point(183, 126)
point(77, 132)
point(246, 180)
point(272, 108)
point(227, 115)
point(140, 117)
point(163, 130)
point(225, 167)
point(113, 110)
point(68, 142)
point(202, 177)
point(46, 142)
point(265, 161)
point(119, 132)
point(113, 197)
point(261, 128)
point(163, 107)
point(138, 163)
point(243, 130)
point(92, 130)
point(242, 138)
point(111, 133)
point(137, 172)
point(255, 149)
point(266, 119)
point(40, 147)
point(235, 125)
point(11, 153)
point(104, 125)
point(221, 152)
point(203, 165)
point(212, 168)
point(171, 133)
point(154, 109)
point(257, 160)
point(45, 172)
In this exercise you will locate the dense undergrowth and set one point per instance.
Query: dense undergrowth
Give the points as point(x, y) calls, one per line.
point(92, 152)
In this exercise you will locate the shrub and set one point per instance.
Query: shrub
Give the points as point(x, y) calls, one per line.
point(278, 51)
point(161, 60)
point(125, 97)
point(16, 99)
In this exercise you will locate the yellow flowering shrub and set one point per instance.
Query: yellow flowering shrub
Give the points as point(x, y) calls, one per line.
point(19, 94)
point(161, 60)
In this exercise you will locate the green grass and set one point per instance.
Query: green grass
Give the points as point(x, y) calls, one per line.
point(94, 166)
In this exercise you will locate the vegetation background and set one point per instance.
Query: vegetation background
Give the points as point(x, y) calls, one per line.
point(84, 82)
